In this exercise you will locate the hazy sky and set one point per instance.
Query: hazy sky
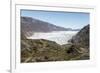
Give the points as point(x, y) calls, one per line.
point(73, 20)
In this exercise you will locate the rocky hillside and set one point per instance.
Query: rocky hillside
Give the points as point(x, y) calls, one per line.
point(41, 50)
point(82, 38)
point(81, 42)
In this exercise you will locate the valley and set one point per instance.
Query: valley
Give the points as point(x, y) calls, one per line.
point(43, 42)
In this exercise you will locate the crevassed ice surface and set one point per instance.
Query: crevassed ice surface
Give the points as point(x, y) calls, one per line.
point(60, 37)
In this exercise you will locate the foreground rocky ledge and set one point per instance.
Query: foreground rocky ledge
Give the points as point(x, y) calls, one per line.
point(41, 50)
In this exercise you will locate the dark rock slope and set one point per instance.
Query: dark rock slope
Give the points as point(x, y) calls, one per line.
point(30, 25)
point(80, 42)
point(82, 38)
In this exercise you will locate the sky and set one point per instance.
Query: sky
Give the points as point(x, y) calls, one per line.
point(74, 20)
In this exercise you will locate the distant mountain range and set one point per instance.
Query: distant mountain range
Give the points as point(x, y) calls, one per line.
point(30, 25)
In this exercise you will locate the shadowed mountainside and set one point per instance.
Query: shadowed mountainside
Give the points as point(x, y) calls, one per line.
point(82, 38)
point(30, 25)
point(81, 41)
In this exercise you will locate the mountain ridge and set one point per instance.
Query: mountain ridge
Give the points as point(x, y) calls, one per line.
point(30, 25)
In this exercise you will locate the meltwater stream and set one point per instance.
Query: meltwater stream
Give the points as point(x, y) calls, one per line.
point(60, 37)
